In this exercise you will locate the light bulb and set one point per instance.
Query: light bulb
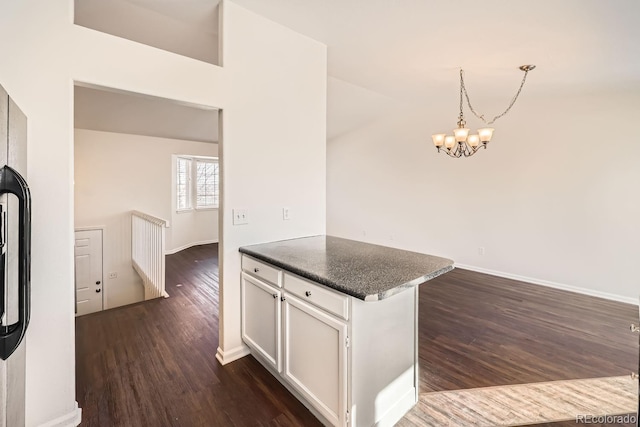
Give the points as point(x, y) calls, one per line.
point(473, 140)
point(461, 134)
point(449, 141)
point(438, 139)
point(485, 134)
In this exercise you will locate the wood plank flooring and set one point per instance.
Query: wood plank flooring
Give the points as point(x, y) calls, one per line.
point(522, 404)
point(153, 363)
point(478, 330)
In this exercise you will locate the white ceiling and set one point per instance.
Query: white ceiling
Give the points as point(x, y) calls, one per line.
point(121, 112)
point(186, 27)
point(406, 48)
point(410, 51)
point(388, 52)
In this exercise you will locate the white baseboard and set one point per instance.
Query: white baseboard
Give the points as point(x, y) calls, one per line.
point(561, 286)
point(229, 356)
point(71, 419)
point(189, 245)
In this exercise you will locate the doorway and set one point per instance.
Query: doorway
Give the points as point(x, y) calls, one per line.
point(126, 146)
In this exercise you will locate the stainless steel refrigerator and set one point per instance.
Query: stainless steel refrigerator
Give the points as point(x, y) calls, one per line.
point(15, 241)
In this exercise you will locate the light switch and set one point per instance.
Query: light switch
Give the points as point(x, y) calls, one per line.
point(240, 216)
point(286, 214)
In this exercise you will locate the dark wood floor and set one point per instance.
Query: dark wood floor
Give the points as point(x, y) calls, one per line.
point(153, 363)
point(478, 330)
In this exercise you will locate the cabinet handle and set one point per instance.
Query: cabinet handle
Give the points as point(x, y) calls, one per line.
point(275, 295)
point(97, 282)
point(98, 291)
point(308, 293)
point(255, 270)
point(282, 298)
point(635, 328)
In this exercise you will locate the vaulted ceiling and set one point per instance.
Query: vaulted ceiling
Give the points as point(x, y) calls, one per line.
point(387, 52)
point(410, 51)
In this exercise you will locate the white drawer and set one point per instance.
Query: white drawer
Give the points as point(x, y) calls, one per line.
point(262, 270)
point(326, 299)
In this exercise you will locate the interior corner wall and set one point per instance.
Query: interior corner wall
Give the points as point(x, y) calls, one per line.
point(135, 21)
point(272, 90)
point(195, 226)
point(274, 146)
point(552, 199)
point(116, 173)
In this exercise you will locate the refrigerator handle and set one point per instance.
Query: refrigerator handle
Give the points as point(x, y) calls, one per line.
point(2, 261)
point(11, 335)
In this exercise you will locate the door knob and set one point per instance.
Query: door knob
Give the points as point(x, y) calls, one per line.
point(98, 291)
point(98, 282)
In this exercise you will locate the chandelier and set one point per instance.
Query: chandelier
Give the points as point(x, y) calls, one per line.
point(461, 143)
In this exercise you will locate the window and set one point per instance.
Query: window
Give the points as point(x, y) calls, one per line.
point(197, 183)
point(207, 188)
point(183, 172)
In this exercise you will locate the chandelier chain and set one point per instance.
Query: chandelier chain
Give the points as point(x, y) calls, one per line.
point(463, 89)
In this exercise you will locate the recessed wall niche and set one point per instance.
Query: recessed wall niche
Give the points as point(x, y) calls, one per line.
point(186, 27)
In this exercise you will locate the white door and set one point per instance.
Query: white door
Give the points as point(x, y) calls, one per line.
point(315, 357)
point(88, 262)
point(261, 319)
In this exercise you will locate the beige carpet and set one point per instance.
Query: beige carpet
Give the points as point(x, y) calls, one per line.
point(523, 404)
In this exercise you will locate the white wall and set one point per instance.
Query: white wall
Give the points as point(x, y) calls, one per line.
point(272, 90)
point(195, 226)
point(274, 146)
point(116, 173)
point(191, 228)
point(552, 199)
point(152, 23)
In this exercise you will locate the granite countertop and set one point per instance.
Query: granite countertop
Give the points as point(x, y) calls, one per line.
point(362, 270)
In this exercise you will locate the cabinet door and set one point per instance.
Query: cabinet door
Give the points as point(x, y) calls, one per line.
point(261, 319)
point(315, 357)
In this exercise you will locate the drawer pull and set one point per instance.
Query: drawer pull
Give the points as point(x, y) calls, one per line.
point(255, 270)
point(308, 293)
point(274, 295)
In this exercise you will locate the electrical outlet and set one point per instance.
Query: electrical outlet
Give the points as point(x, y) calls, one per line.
point(481, 250)
point(240, 216)
point(286, 214)
point(113, 275)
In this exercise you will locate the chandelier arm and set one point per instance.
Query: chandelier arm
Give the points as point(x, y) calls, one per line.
point(463, 88)
point(449, 153)
point(475, 150)
point(461, 150)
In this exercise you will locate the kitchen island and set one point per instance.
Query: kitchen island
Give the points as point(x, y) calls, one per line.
point(335, 320)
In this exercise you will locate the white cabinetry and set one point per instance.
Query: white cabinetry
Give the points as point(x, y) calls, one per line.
point(261, 319)
point(339, 355)
point(315, 357)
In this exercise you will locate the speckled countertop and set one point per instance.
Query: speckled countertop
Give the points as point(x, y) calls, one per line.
point(362, 270)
